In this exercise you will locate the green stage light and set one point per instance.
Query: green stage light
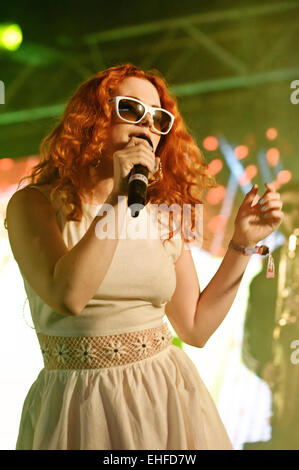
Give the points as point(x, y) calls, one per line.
point(10, 36)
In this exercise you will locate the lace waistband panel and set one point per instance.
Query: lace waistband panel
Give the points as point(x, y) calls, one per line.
point(95, 352)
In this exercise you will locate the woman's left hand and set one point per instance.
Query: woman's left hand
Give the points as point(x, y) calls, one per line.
point(258, 217)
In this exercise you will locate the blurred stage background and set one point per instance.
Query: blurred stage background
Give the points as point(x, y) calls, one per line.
point(231, 66)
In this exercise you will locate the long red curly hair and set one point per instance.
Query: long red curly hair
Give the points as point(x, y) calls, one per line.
point(67, 152)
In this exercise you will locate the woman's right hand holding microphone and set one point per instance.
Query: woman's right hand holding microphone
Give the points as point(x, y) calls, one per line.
point(137, 151)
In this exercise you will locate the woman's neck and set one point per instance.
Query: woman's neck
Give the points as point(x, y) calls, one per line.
point(99, 187)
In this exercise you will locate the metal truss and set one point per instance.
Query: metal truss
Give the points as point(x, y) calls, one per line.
point(198, 54)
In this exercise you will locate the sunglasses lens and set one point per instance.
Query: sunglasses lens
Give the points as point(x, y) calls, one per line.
point(133, 111)
point(162, 121)
point(130, 110)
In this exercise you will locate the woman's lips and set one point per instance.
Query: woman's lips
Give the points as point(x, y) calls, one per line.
point(145, 137)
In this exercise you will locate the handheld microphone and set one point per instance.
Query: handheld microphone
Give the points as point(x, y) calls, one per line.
point(138, 182)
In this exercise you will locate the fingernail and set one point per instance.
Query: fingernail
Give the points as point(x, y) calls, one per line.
point(261, 201)
point(254, 202)
point(266, 215)
point(154, 169)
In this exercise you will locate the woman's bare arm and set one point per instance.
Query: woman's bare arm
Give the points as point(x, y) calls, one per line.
point(196, 315)
point(86, 264)
point(65, 279)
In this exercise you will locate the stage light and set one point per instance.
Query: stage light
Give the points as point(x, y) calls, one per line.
point(241, 151)
point(249, 173)
point(272, 156)
point(10, 36)
point(215, 166)
point(271, 133)
point(210, 143)
point(6, 164)
point(284, 176)
point(216, 195)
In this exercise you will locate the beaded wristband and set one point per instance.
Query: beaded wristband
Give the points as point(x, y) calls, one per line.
point(262, 250)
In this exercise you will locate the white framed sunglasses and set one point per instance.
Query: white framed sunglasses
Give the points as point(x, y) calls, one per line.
point(133, 111)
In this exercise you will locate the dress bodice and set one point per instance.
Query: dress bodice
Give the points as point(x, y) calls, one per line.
point(139, 282)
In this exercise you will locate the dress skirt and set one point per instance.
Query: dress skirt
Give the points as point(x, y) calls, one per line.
point(131, 391)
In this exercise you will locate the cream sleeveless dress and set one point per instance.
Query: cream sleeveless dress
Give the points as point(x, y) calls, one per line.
point(157, 400)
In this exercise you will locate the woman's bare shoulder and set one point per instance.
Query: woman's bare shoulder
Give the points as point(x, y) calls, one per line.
point(36, 198)
point(31, 196)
